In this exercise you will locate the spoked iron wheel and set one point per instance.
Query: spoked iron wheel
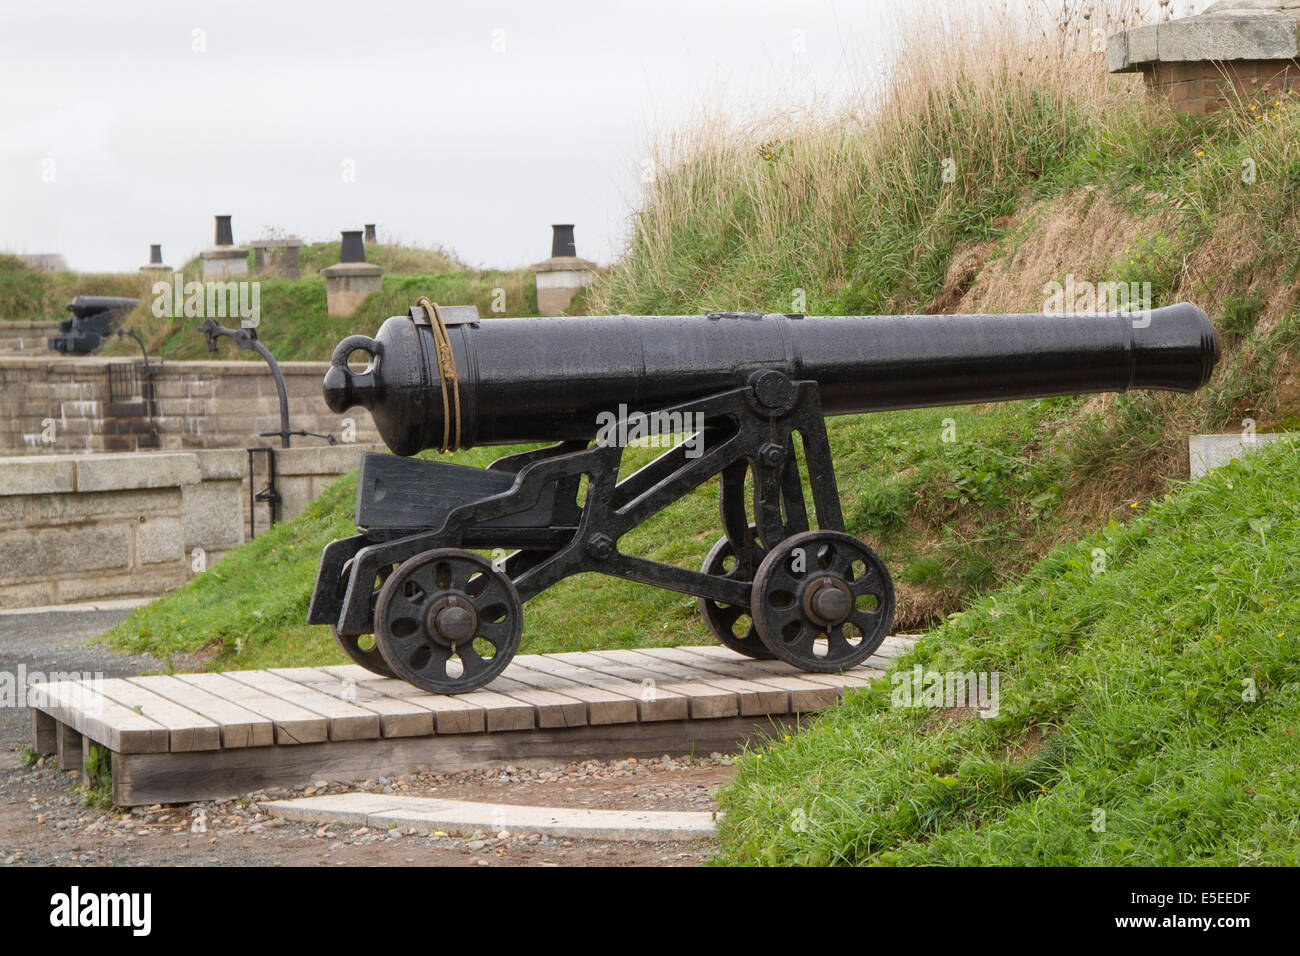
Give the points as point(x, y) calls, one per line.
point(731, 624)
point(823, 601)
point(363, 649)
point(447, 621)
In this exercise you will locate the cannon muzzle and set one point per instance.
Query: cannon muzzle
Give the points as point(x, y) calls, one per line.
point(532, 380)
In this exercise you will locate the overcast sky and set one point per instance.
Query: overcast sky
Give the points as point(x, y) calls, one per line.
point(473, 125)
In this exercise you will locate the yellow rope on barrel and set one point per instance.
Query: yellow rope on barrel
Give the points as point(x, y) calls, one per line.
point(446, 373)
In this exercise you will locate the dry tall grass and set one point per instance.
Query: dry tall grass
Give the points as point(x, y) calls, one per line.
point(976, 100)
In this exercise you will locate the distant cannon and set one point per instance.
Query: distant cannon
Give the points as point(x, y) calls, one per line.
point(94, 318)
point(774, 585)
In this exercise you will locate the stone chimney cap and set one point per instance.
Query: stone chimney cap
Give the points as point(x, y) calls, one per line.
point(1228, 30)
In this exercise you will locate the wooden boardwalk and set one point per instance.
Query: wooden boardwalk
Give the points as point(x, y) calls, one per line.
point(190, 737)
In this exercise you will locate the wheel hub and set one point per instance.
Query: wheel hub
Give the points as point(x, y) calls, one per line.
point(451, 620)
point(827, 600)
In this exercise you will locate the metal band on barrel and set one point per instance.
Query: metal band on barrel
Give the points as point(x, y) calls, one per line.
point(446, 373)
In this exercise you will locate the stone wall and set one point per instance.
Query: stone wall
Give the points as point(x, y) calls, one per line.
point(1234, 51)
point(1201, 88)
point(21, 338)
point(91, 527)
point(59, 405)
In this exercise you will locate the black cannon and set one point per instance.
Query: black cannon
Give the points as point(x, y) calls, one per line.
point(94, 318)
point(775, 585)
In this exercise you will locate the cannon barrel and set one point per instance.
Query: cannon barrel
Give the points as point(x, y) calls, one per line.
point(84, 306)
point(530, 380)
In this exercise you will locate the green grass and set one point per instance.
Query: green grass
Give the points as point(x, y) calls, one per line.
point(1162, 691)
point(295, 324)
point(33, 295)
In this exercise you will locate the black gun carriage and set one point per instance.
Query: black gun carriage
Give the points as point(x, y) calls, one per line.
point(94, 319)
point(780, 582)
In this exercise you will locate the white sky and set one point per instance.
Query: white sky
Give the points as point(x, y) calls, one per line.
point(145, 139)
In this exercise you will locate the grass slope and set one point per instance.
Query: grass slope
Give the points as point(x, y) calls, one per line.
point(1161, 688)
point(295, 324)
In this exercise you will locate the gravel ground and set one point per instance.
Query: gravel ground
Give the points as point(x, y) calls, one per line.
point(44, 822)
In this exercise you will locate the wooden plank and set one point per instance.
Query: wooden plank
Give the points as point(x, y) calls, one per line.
point(450, 715)
point(44, 733)
point(752, 699)
point(603, 706)
point(804, 695)
point(351, 672)
point(895, 645)
point(776, 700)
point(346, 721)
point(891, 647)
point(69, 748)
point(186, 730)
point(847, 680)
point(88, 712)
point(859, 676)
point(651, 703)
point(550, 709)
point(142, 779)
point(240, 727)
point(501, 712)
point(706, 702)
point(397, 718)
point(293, 724)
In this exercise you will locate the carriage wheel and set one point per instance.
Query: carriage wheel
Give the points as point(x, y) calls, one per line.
point(823, 601)
point(363, 649)
point(447, 621)
point(731, 623)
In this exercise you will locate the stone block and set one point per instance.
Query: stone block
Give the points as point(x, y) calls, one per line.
point(321, 459)
point(13, 510)
point(63, 508)
point(139, 583)
point(220, 464)
point(348, 284)
point(1117, 52)
point(38, 553)
point(223, 262)
point(1215, 36)
point(1228, 37)
point(159, 539)
point(36, 594)
point(155, 470)
point(214, 515)
point(26, 476)
point(295, 494)
point(1141, 44)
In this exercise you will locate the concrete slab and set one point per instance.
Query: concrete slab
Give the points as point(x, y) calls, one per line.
point(1207, 452)
point(459, 817)
point(114, 604)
